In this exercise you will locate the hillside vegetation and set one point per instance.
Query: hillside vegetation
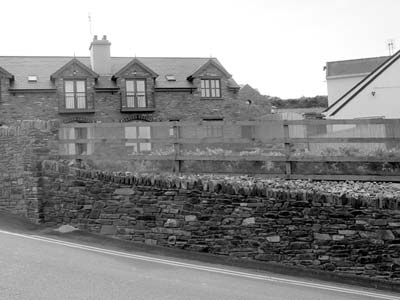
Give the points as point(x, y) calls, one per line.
point(303, 102)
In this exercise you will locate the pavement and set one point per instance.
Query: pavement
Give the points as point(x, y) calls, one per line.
point(39, 263)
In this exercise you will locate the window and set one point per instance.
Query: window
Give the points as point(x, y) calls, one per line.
point(76, 148)
point(136, 93)
point(75, 94)
point(248, 131)
point(81, 148)
point(138, 132)
point(173, 130)
point(210, 88)
point(81, 133)
point(213, 130)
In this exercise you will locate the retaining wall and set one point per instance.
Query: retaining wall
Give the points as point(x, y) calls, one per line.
point(244, 220)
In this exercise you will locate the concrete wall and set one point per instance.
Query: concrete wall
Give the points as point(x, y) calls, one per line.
point(242, 220)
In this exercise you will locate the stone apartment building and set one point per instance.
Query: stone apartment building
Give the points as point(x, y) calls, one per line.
point(105, 89)
point(101, 88)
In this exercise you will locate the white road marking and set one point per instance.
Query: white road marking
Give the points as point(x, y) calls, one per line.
point(204, 268)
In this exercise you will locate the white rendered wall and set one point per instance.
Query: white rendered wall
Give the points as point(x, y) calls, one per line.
point(337, 87)
point(381, 98)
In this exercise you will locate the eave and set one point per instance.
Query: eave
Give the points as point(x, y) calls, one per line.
point(346, 76)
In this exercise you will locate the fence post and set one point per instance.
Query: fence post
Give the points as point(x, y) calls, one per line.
point(288, 148)
point(177, 162)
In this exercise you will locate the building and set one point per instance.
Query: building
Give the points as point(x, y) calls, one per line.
point(102, 88)
point(375, 96)
point(343, 75)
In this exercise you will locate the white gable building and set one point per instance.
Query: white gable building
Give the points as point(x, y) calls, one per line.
point(376, 94)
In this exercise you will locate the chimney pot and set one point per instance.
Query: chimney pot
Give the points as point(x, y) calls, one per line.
point(104, 38)
point(95, 38)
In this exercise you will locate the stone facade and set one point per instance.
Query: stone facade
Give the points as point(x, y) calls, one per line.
point(106, 97)
point(169, 105)
point(252, 222)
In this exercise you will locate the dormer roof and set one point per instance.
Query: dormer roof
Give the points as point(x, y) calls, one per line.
point(5, 73)
point(74, 63)
point(131, 64)
point(210, 62)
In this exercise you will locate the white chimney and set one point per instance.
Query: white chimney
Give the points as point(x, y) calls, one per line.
point(100, 55)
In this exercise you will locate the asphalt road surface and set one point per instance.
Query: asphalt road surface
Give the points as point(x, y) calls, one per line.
point(40, 268)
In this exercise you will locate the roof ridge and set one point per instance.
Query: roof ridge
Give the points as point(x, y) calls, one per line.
point(67, 56)
point(169, 57)
point(47, 56)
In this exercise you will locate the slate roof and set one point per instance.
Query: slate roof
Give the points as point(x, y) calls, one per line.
point(44, 66)
point(353, 66)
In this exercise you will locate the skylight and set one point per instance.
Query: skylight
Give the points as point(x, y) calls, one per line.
point(32, 78)
point(170, 77)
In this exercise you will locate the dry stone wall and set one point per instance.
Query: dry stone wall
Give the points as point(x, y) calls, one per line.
point(256, 221)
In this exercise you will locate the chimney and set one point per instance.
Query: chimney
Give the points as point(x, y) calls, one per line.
point(100, 55)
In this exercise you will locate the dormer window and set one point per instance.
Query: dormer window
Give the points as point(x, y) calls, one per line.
point(210, 88)
point(136, 93)
point(75, 94)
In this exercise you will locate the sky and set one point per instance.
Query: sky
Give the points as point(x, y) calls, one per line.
point(276, 46)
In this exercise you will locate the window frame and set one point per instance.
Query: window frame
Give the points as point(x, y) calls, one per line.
point(135, 92)
point(135, 141)
point(213, 130)
point(75, 94)
point(73, 147)
point(209, 88)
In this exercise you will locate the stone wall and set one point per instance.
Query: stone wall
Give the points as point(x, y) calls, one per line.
point(22, 148)
point(250, 220)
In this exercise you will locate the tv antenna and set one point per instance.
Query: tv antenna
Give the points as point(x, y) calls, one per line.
point(390, 45)
point(90, 24)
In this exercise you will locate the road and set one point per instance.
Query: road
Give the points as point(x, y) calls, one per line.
point(37, 267)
